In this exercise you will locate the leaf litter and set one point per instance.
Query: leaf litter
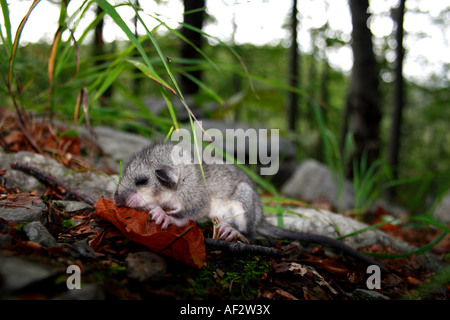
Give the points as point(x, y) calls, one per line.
point(114, 232)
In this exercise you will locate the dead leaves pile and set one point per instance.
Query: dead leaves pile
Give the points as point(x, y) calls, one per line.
point(58, 142)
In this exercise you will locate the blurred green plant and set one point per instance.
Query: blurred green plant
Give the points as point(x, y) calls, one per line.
point(64, 80)
point(368, 182)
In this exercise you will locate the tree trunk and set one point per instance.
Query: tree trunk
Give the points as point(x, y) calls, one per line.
point(187, 52)
point(137, 74)
point(324, 103)
point(394, 139)
point(294, 81)
point(98, 51)
point(363, 100)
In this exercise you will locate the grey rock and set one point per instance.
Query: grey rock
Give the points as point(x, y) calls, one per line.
point(331, 224)
point(17, 273)
point(36, 232)
point(84, 249)
point(442, 211)
point(86, 292)
point(117, 145)
point(20, 214)
point(72, 206)
point(90, 183)
point(5, 240)
point(145, 266)
point(313, 181)
point(364, 294)
point(22, 180)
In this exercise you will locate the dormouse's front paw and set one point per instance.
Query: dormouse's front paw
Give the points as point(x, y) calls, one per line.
point(164, 220)
point(160, 217)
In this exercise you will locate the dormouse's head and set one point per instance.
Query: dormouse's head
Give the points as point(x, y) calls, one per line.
point(149, 180)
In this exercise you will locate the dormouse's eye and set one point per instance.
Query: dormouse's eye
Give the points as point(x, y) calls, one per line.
point(140, 181)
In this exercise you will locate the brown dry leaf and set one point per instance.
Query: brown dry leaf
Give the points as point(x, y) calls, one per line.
point(185, 244)
point(331, 266)
point(19, 200)
point(284, 294)
point(413, 281)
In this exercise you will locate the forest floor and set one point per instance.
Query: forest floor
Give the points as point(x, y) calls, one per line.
point(310, 273)
point(314, 275)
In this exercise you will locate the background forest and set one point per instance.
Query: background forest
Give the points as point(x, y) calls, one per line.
point(372, 121)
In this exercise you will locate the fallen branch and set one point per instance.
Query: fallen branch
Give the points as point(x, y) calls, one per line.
point(47, 179)
point(242, 248)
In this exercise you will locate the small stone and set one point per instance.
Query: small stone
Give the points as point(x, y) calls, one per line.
point(442, 212)
point(313, 181)
point(84, 249)
point(27, 213)
point(87, 292)
point(36, 232)
point(72, 206)
point(17, 273)
point(5, 240)
point(145, 266)
point(364, 294)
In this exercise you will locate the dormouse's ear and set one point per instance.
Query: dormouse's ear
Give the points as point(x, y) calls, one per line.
point(167, 177)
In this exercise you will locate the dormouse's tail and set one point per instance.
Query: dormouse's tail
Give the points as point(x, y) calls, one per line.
point(272, 232)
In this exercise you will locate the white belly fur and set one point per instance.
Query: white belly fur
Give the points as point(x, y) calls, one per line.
point(230, 212)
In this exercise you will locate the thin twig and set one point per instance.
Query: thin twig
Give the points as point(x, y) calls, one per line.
point(49, 179)
point(242, 248)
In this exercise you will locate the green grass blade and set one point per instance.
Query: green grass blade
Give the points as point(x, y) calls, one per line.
point(90, 27)
point(178, 92)
point(107, 82)
point(170, 108)
point(288, 201)
point(8, 41)
point(431, 221)
point(202, 85)
point(112, 12)
point(16, 42)
point(241, 61)
point(376, 225)
point(149, 72)
point(162, 57)
point(72, 24)
point(144, 112)
point(419, 251)
point(182, 37)
point(263, 183)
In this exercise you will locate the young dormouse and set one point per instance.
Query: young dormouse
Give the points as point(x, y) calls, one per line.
point(176, 192)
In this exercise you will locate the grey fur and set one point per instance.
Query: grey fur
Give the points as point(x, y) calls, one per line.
point(193, 197)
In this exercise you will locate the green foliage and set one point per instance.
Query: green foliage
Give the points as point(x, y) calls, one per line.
point(245, 83)
point(239, 279)
point(117, 269)
point(68, 223)
point(201, 283)
point(439, 280)
point(242, 283)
